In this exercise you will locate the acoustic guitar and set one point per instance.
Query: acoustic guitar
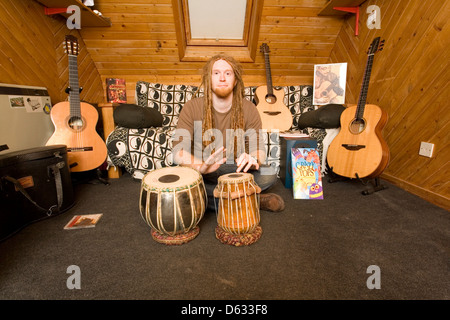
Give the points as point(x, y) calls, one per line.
point(75, 122)
point(270, 105)
point(359, 150)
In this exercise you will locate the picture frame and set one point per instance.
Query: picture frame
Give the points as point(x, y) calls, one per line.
point(329, 83)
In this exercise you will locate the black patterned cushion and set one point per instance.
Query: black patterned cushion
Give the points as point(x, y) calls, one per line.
point(136, 117)
point(146, 149)
point(140, 150)
point(167, 99)
point(326, 117)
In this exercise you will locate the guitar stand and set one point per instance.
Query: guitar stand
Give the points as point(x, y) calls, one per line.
point(86, 177)
point(333, 177)
point(375, 184)
point(100, 178)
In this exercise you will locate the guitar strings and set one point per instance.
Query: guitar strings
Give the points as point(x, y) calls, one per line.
point(75, 104)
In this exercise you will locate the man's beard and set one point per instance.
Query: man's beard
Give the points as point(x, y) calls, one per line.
point(223, 92)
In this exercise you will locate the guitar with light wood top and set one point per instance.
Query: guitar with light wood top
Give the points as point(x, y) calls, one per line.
point(75, 122)
point(359, 150)
point(270, 103)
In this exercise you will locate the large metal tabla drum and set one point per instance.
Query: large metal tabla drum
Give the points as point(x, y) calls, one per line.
point(238, 211)
point(172, 202)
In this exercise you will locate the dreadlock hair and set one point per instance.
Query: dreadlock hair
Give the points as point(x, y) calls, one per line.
point(237, 113)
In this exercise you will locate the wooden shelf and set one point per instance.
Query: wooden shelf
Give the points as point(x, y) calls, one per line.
point(88, 17)
point(328, 10)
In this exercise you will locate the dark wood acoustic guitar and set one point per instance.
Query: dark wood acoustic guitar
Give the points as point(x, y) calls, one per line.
point(75, 122)
point(270, 103)
point(359, 150)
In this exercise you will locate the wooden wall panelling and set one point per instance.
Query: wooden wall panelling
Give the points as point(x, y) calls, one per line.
point(422, 92)
point(31, 52)
point(419, 83)
point(346, 49)
point(88, 75)
point(141, 43)
point(410, 82)
point(26, 44)
point(403, 44)
point(33, 30)
point(409, 78)
point(62, 59)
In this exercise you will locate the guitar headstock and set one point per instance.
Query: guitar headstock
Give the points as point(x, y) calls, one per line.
point(375, 46)
point(71, 45)
point(264, 48)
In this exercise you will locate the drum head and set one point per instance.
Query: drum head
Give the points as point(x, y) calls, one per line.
point(236, 177)
point(171, 178)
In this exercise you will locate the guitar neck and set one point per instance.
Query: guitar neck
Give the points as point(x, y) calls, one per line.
point(268, 74)
point(364, 88)
point(74, 87)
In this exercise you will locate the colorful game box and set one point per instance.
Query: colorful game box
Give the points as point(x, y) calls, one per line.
point(306, 175)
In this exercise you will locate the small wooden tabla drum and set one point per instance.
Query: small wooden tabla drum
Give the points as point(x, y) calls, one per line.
point(238, 211)
point(172, 202)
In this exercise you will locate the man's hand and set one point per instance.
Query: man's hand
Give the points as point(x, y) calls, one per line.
point(246, 161)
point(213, 162)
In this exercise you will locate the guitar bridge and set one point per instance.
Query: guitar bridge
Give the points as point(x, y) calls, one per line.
point(353, 147)
point(272, 113)
point(81, 149)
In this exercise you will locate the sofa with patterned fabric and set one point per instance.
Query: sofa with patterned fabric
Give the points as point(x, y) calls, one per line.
point(140, 150)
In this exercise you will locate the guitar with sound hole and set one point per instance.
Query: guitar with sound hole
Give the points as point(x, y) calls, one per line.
point(359, 150)
point(270, 103)
point(75, 122)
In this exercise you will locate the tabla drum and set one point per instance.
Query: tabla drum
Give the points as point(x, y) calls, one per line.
point(238, 211)
point(172, 202)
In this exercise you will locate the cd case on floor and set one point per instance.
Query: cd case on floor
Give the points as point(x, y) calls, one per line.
point(83, 221)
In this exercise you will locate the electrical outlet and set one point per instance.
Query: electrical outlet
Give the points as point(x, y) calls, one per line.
point(426, 149)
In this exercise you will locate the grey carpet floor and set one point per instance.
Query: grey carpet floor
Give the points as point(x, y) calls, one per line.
point(315, 249)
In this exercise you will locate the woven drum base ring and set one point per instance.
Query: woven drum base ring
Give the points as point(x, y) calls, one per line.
point(238, 240)
point(178, 239)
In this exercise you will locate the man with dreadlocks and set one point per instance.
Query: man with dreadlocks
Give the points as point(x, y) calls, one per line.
point(219, 132)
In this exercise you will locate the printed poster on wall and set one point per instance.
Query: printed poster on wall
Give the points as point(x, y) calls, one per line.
point(329, 83)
